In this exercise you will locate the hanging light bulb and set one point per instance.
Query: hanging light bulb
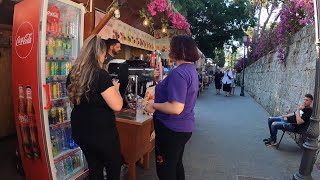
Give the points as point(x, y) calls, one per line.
point(117, 13)
point(164, 29)
point(146, 22)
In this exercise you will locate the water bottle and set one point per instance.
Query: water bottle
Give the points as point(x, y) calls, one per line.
point(57, 135)
point(69, 163)
point(139, 108)
point(71, 28)
point(57, 171)
point(69, 110)
point(54, 145)
point(63, 139)
point(70, 141)
point(65, 167)
point(61, 171)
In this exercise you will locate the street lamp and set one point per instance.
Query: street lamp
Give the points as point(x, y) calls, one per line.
point(310, 147)
point(244, 39)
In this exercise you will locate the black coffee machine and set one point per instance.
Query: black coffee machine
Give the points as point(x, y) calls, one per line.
point(133, 80)
point(119, 70)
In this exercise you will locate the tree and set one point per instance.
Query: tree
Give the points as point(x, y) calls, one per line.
point(214, 22)
point(219, 57)
point(271, 6)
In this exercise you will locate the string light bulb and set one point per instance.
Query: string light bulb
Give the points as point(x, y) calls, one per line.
point(145, 22)
point(164, 29)
point(117, 13)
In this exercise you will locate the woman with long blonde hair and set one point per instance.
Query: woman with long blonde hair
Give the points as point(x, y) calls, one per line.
point(95, 97)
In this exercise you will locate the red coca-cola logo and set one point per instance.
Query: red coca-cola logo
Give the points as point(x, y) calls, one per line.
point(24, 40)
point(23, 118)
point(53, 14)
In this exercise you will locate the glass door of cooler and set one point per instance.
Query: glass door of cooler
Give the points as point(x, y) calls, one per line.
point(63, 40)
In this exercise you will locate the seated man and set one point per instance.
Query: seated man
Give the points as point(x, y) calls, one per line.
point(293, 122)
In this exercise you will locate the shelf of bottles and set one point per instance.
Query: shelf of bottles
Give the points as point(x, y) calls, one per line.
point(69, 164)
point(61, 50)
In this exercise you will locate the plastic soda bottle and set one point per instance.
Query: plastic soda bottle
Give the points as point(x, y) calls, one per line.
point(139, 108)
point(59, 50)
point(51, 46)
point(64, 48)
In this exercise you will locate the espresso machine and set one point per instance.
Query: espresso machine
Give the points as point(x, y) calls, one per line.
point(134, 79)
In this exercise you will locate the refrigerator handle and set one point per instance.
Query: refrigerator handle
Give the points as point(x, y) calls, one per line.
point(47, 88)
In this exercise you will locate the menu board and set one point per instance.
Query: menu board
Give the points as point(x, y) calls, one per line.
point(125, 33)
point(162, 40)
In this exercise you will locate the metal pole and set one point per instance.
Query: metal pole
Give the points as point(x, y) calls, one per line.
point(310, 147)
point(244, 60)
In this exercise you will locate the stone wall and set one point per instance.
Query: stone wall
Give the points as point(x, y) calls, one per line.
point(280, 88)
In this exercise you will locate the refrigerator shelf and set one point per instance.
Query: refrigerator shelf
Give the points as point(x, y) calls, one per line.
point(60, 125)
point(75, 172)
point(60, 35)
point(65, 154)
point(59, 59)
point(56, 78)
point(59, 99)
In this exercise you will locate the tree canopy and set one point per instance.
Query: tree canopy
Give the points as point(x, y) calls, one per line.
point(215, 22)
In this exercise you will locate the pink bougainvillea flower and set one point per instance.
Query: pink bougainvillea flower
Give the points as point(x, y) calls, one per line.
point(176, 19)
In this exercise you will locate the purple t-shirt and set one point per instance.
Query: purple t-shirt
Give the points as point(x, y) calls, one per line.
point(181, 85)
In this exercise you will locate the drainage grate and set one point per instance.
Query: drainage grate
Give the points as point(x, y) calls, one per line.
point(240, 177)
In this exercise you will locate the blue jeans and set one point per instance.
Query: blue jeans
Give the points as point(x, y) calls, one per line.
point(276, 123)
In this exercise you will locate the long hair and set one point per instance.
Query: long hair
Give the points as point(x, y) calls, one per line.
point(86, 68)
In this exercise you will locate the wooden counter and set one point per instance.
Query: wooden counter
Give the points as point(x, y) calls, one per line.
point(135, 136)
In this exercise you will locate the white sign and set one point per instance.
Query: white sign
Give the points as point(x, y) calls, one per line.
point(162, 41)
point(125, 33)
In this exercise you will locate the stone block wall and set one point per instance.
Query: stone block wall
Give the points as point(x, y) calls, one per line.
point(280, 88)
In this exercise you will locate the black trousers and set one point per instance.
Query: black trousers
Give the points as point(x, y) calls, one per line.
point(103, 156)
point(169, 148)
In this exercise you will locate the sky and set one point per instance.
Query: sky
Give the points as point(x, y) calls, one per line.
point(264, 16)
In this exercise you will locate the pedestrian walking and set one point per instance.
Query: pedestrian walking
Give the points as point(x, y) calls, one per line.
point(227, 80)
point(218, 80)
point(233, 83)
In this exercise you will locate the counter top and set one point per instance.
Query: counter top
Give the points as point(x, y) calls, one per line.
point(129, 116)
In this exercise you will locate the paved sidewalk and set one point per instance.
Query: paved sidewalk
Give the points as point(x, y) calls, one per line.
point(228, 142)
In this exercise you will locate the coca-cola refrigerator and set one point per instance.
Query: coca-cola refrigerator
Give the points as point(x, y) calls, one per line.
point(47, 36)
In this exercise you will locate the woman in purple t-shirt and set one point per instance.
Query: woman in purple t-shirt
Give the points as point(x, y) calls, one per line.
point(173, 111)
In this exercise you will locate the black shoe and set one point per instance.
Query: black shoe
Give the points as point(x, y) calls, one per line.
point(271, 143)
point(266, 140)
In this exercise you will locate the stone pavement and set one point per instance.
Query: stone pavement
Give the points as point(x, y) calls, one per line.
point(227, 142)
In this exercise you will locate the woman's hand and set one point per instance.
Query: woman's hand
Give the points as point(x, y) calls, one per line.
point(149, 107)
point(156, 74)
point(116, 84)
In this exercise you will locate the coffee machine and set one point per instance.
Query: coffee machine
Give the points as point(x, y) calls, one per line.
point(118, 69)
point(134, 79)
